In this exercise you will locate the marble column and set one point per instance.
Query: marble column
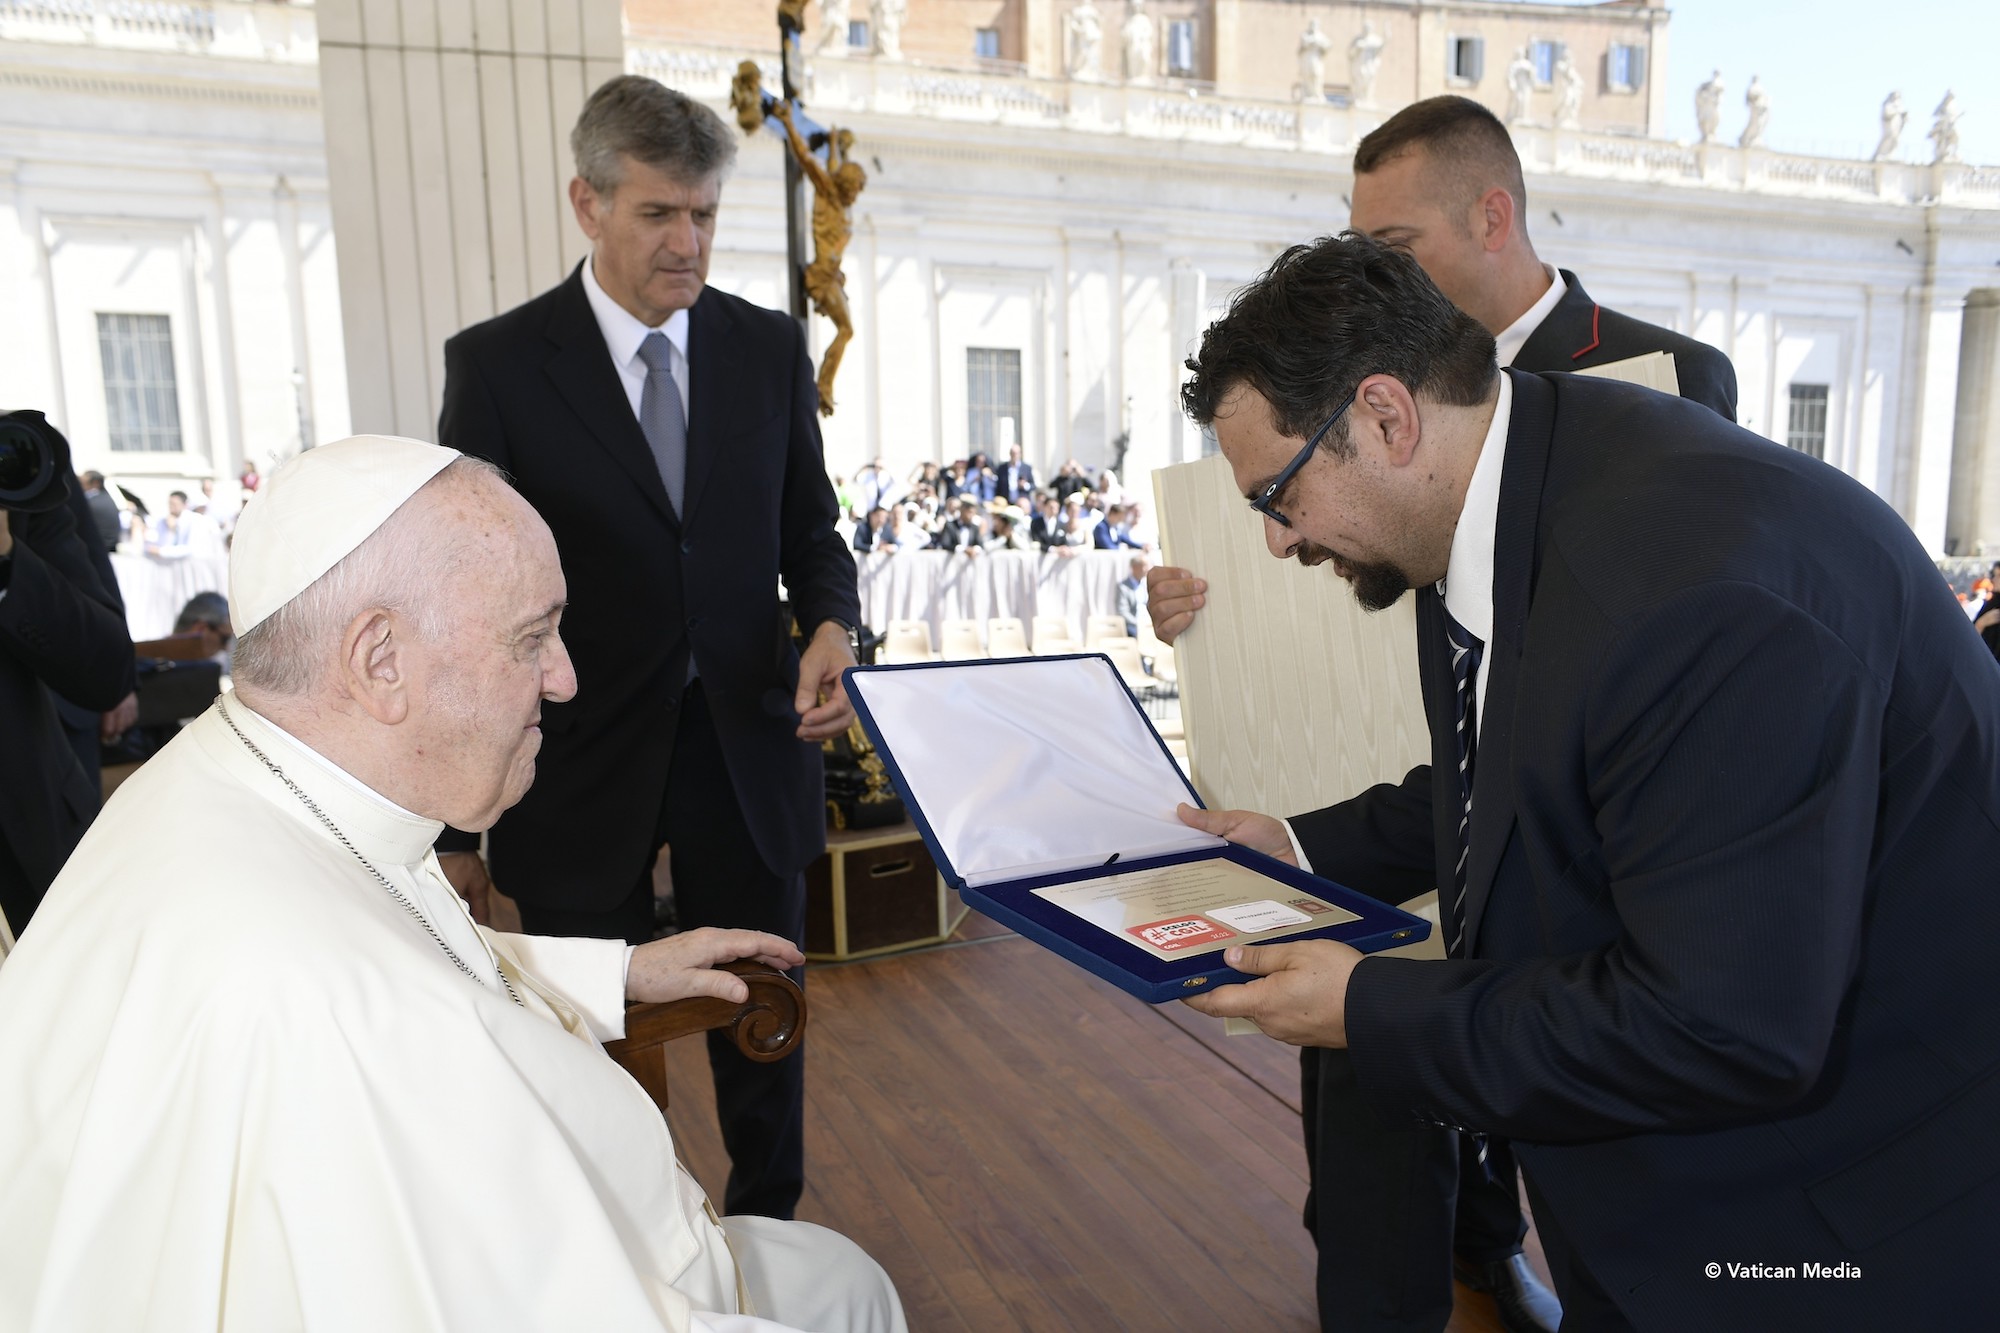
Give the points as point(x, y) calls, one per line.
point(1972, 517)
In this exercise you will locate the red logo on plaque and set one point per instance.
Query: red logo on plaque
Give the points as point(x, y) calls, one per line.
point(1182, 933)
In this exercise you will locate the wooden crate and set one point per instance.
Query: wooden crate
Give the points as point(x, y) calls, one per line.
point(875, 891)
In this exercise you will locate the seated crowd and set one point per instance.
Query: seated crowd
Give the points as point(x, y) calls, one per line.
point(970, 505)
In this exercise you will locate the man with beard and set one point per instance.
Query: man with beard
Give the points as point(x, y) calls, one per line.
point(1713, 798)
point(1441, 180)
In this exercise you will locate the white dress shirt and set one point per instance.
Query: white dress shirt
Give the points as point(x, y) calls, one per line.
point(1468, 580)
point(623, 332)
point(1507, 344)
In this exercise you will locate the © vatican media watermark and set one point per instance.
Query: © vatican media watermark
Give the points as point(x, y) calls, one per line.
point(1806, 1272)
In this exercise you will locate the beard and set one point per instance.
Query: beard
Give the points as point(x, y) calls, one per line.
point(1376, 586)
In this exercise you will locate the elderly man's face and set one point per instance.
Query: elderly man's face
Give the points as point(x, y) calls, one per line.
point(485, 679)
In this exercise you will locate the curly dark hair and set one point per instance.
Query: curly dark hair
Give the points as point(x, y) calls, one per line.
point(1326, 316)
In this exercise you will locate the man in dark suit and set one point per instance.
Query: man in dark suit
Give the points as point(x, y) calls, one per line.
point(1712, 807)
point(60, 629)
point(1017, 478)
point(1390, 1209)
point(667, 432)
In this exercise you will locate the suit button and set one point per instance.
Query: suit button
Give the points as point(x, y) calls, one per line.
point(693, 621)
point(687, 546)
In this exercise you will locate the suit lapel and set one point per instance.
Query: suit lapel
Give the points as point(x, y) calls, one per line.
point(580, 368)
point(710, 344)
point(1566, 338)
point(1515, 557)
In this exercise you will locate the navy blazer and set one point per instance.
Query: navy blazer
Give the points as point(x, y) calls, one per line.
point(1730, 908)
point(534, 390)
point(1579, 334)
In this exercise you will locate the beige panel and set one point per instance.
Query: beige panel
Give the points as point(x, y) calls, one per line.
point(604, 35)
point(434, 236)
point(566, 98)
point(350, 165)
point(503, 183)
point(454, 25)
point(338, 22)
point(420, 24)
point(472, 253)
point(1293, 697)
point(565, 20)
point(492, 25)
point(531, 27)
point(381, 23)
point(396, 212)
point(538, 167)
point(598, 72)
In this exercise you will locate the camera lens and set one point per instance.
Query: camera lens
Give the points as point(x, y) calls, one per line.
point(24, 462)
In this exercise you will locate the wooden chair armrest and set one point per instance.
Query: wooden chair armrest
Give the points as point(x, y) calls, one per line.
point(764, 1027)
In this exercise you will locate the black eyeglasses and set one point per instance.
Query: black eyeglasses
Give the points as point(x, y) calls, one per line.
point(1265, 502)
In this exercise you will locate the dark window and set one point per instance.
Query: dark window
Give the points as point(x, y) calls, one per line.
point(857, 33)
point(1544, 55)
point(1805, 431)
point(1625, 67)
point(1465, 58)
point(1180, 47)
point(986, 43)
point(141, 408)
point(992, 392)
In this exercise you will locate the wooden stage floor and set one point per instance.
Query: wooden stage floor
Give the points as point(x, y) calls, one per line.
point(1022, 1146)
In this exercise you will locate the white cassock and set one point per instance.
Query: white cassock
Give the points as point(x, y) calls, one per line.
point(242, 1088)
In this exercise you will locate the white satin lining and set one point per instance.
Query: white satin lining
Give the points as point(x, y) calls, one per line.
point(1029, 768)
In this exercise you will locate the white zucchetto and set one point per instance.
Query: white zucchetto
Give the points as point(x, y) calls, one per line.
point(315, 510)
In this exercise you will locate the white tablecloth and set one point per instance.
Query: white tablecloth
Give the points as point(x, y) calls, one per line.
point(947, 585)
point(155, 590)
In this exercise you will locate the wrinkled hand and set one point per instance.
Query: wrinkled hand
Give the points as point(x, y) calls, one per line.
point(1299, 997)
point(1172, 597)
point(6, 535)
point(820, 666)
point(683, 965)
point(1986, 621)
point(1245, 828)
point(467, 873)
point(119, 720)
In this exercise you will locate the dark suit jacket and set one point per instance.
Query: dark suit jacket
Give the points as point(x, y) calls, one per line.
point(1016, 479)
point(1730, 893)
point(1579, 334)
point(59, 626)
point(534, 390)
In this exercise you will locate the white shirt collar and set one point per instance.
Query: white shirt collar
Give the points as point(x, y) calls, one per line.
point(623, 331)
point(380, 829)
point(1508, 344)
point(1468, 581)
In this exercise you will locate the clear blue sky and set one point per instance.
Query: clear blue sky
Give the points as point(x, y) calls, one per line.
point(1828, 64)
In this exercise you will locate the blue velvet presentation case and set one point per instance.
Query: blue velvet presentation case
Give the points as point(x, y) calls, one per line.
point(1026, 773)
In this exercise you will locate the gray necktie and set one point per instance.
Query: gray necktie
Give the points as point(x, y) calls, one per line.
point(661, 419)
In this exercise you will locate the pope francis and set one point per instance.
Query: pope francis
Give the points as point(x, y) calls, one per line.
point(263, 1072)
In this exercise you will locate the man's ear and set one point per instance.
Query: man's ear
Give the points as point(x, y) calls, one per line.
point(375, 665)
point(1493, 219)
point(583, 200)
point(1385, 419)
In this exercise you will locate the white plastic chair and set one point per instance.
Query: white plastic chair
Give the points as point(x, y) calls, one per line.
point(961, 642)
point(1099, 628)
point(1005, 637)
point(1124, 654)
point(908, 641)
point(1053, 636)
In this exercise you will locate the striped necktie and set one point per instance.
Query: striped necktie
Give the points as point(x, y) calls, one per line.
point(1465, 650)
point(661, 417)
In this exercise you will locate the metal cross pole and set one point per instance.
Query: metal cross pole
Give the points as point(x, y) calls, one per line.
point(798, 216)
